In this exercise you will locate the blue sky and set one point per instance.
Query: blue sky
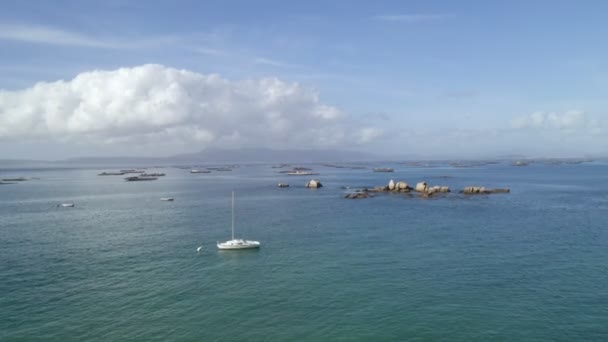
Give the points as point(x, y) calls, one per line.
point(413, 69)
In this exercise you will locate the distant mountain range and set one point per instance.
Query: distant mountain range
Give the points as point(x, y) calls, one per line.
point(227, 156)
point(210, 156)
point(264, 155)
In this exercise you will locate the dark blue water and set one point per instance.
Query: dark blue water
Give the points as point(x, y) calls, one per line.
point(122, 265)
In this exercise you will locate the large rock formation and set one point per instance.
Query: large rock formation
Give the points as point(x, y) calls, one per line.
point(313, 183)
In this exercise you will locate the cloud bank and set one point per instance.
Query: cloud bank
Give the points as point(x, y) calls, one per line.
point(573, 119)
point(155, 103)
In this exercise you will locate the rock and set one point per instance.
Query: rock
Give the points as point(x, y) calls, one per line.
point(393, 186)
point(402, 186)
point(421, 187)
point(444, 189)
point(471, 190)
point(313, 184)
point(520, 163)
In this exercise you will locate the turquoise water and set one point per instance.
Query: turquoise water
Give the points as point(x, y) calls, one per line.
point(122, 265)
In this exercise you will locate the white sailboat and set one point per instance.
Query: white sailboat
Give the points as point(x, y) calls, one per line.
point(237, 243)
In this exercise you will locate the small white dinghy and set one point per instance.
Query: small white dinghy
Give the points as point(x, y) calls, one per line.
point(168, 199)
point(66, 205)
point(237, 243)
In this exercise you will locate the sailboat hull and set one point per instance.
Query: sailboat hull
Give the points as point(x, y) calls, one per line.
point(238, 244)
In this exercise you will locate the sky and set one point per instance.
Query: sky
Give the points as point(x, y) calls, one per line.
point(430, 79)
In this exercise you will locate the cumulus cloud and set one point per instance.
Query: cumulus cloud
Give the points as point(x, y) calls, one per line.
point(153, 103)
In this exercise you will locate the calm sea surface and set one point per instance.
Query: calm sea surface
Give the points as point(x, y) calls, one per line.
point(122, 265)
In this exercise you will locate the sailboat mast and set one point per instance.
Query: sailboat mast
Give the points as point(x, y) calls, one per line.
point(233, 215)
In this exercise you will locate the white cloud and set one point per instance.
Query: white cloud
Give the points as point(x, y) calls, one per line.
point(154, 103)
point(53, 36)
point(47, 35)
point(412, 18)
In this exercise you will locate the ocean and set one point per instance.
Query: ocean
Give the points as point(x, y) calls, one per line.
point(530, 265)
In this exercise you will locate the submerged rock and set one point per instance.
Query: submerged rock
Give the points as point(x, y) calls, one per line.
point(473, 190)
point(358, 195)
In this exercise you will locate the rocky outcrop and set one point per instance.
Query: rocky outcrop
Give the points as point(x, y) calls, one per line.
point(432, 190)
point(477, 190)
point(423, 190)
point(392, 186)
point(397, 186)
point(422, 187)
point(437, 188)
point(314, 184)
